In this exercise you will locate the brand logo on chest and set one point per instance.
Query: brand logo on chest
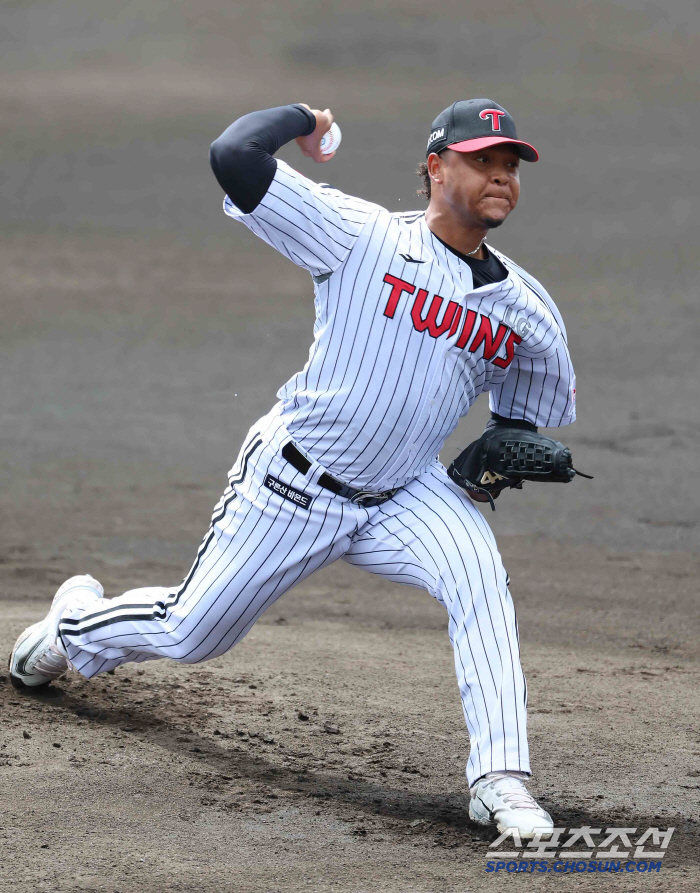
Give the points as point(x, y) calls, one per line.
point(441, 317)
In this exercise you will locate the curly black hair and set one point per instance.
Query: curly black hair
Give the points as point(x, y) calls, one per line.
point(422, 171)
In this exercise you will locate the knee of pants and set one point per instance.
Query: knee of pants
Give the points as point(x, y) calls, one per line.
point(197, 649)
point(189, 658)
point(199, 630)
point(181, 637)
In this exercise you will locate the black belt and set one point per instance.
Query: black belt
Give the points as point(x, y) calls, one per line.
point(364, 498)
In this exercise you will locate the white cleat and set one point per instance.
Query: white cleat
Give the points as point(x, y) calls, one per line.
point(501, 799)
point(38, 655)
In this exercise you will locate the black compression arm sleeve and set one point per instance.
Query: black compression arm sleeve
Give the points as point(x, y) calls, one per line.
point(241, 157)
point(499, 421)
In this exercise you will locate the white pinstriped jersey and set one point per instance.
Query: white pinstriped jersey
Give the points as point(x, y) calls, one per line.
point(403, 348)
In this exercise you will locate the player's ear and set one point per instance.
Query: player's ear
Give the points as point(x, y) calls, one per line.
point(435, 167)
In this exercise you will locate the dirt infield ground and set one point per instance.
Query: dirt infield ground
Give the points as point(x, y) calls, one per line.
point(142, 333)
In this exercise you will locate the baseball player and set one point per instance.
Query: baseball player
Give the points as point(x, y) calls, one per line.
point(415, 317)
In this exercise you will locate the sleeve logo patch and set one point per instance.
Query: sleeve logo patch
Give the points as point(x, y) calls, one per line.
point(286, 492)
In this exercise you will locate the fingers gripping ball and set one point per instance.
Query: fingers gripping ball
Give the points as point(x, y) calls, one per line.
point(331, 140)
point(505, 457)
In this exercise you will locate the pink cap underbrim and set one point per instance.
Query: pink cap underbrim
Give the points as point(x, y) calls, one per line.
point(485, 141)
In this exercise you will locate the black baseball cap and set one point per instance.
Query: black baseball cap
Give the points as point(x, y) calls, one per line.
point(474, 124)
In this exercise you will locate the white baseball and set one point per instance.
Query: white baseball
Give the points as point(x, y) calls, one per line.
point(331, 140)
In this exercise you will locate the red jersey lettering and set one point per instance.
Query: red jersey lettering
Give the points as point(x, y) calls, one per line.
point(511, 341)
point(398, 287)
point(430, 322)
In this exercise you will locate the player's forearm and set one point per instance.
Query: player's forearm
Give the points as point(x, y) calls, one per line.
point(242, 157)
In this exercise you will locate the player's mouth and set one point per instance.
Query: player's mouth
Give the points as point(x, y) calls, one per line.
point(498, 204)
point(502, 198)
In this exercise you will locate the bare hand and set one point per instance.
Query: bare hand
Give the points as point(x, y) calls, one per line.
point(311, 145)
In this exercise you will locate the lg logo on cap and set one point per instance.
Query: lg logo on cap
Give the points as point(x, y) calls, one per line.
point(495, 116)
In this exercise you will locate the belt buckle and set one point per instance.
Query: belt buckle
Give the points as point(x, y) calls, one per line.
point(360, 496)
point(378, 498)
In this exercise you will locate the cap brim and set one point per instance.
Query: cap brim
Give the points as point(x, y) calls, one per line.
point(524, 150)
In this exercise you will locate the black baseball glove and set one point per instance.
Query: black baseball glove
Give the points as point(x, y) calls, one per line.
point(508, 453)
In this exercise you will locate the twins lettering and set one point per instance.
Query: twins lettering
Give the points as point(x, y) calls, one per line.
point(438, 320)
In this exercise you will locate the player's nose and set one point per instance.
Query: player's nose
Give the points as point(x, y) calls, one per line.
point(500, 175)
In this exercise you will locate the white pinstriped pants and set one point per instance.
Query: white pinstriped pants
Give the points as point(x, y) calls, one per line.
point(259, 545)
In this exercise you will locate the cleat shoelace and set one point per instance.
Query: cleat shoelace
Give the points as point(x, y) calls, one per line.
point(51, 663)
point(514, 793)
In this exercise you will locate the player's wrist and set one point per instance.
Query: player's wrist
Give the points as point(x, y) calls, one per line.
point(310, 118)
point(323, 118)
point(499, 421)
point(310, 144)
